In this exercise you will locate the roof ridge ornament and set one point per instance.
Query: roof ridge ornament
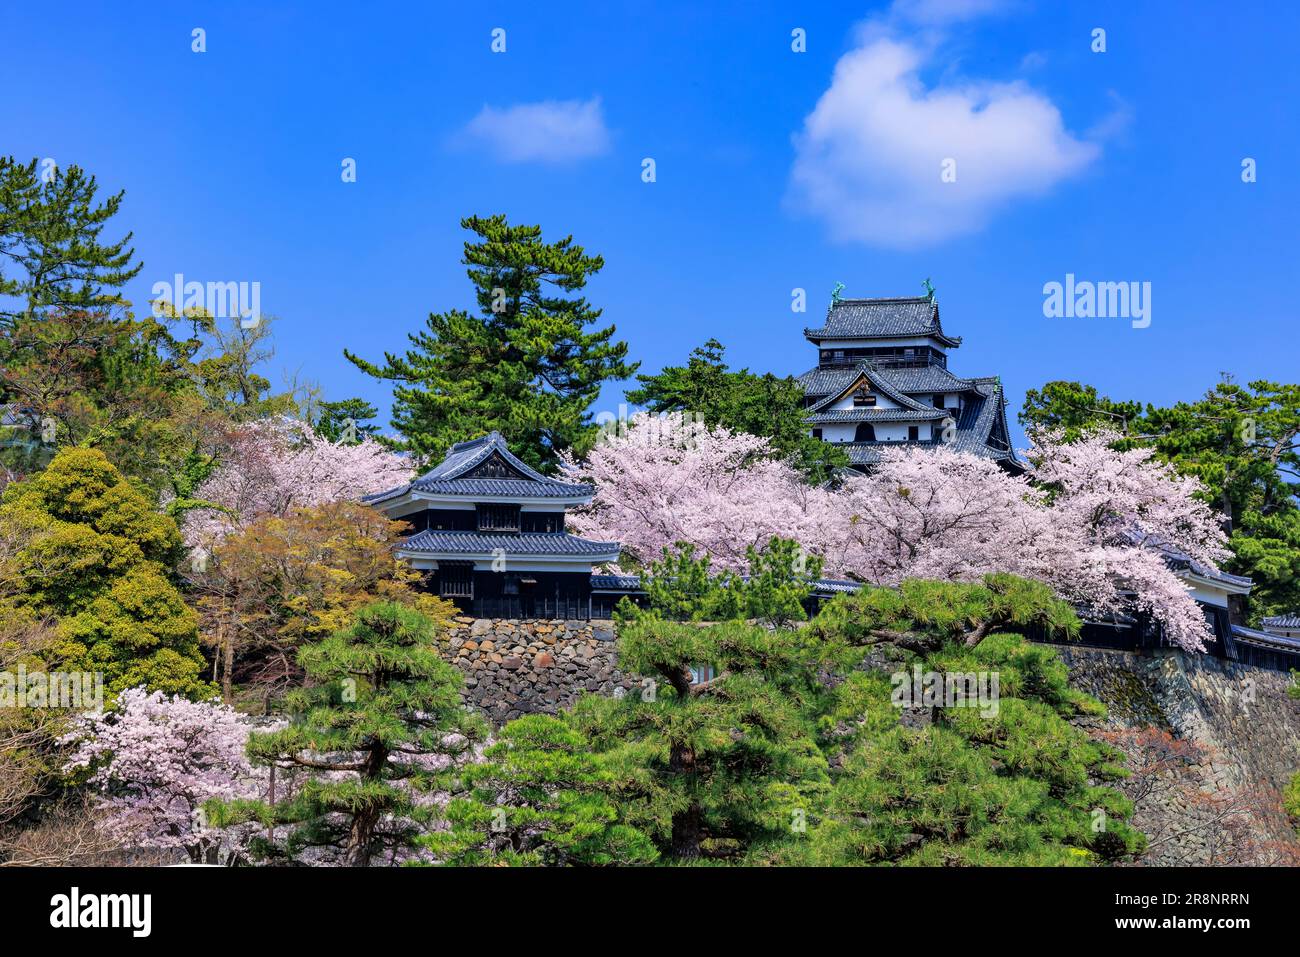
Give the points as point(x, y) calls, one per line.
point(929, 289)
point(835, 298)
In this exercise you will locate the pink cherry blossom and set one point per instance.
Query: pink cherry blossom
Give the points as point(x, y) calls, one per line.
point(274, 465)
point(156, 760)
point(662, 480)
point(1086, 519)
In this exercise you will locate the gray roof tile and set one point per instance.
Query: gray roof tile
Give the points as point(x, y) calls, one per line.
point(882, 319)
point(878, 382)
point(983, 409)
point(1264, 639)
point(616, 582)
point(1281, 621)
point(448, 476)
point(1179, 560)
point(513, 543)
point(875, 415)
point(932, 379)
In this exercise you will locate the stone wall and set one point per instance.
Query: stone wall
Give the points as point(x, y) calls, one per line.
point(1240, 716)
point(516, 667)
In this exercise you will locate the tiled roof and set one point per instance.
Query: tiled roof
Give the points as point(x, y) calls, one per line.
point(882, 319)
point(1181, 561)
point(1264, 639)
point(880, 384)
point(448, 476)
point(820, 382)
point(509, 488)
point(931, 379)
point(12, 415)
point(1282, 621)
point(874, 415)
point(513, 543)
point(835, 586)
point(616, 582)
point(984, 407)
point(865, 453)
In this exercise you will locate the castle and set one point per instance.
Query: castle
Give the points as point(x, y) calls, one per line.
point(490, 532)
point(882, 379)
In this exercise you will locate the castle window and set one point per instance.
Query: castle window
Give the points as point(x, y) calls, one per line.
point(913, 433)
point(498, 518)
point(863, 399)
point(541, 521)
point(456, 579)
point(866, 432)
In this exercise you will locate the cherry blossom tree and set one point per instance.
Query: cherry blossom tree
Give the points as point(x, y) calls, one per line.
point(1087, 520)
point(666, 479)
point(156, 760)
point(275, 465)
point(1125, 498)
point(1091, 522)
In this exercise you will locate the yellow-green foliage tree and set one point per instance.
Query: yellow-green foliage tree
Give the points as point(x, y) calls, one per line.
point(285, 581)
point(95, 558)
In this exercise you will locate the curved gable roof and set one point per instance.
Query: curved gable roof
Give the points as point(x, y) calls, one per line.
point(880, 384)
point(485, 467)
point(895, 318)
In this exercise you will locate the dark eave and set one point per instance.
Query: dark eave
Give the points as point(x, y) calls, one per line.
point(533, 544)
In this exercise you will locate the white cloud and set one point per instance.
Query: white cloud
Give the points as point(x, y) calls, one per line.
point(945, 11)
point(870, 156)
point(553, 131)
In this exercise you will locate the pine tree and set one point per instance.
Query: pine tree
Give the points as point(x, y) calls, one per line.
point(780, 582)
point(527, 365)
point(347, 421)
point(379, 719)
point(984, 775)
point(49, 236)
point(539, 797)
point(714, 757)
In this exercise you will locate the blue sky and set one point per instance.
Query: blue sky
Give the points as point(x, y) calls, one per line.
point(774, 170)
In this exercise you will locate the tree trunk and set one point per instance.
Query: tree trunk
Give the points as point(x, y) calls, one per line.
point(688, 823)
point(357, 851)
point(227, 666)
point(686, 833)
